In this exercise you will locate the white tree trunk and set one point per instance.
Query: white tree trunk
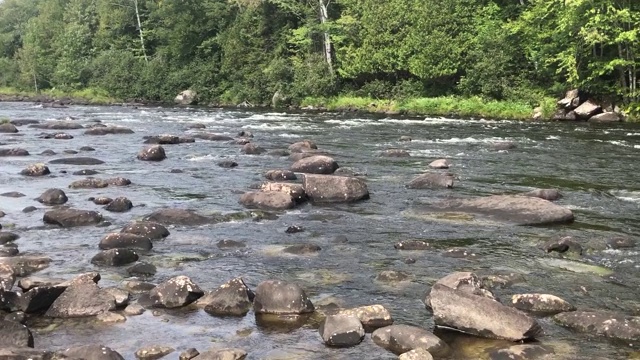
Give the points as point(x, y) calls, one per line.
point(144, 52)
point(324, 16)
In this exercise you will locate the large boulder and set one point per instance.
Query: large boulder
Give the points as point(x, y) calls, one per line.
point(280, 175)
point(52, 197)
point(92, 352)
point(282, 298)
point(8, 128)
point(58, 125)
point(82, 300)
point(108, 130)
point(89, 183)
point(25, 265)
point(303, 146)
point(267, 200)
point(149, 229)
point(212, 137)
point(318, 164)
point(7, 277)
point(607, 117)
point(521, 210)
point(185, 217)
point(601, 323)
point(175, 292)
point(115, 257)
point(35, 170)
point(125, 240)
point(571, 100)
point(546, 194)
point(71, 217)
point(341, 330)
point(38, 299)
point(480, 316)
point(223, 354)
point(403, 338)
point(13, 152)
point(587, 109)
point(372, 317)
point(77, 161)
point(233, 298)
point(186, 97)
point(431, 180)
point(332, 189)
point(120, 204)
point(296, 191)
point(541, 303)
point(14, 334)
point(152, 153)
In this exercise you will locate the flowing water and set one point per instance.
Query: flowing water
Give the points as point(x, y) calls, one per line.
point(596, 167)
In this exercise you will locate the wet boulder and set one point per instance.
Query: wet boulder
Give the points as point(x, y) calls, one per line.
point(118, 181)
point(77, 161)
point(233, 298)
point(142, 269)
point(546, 194)
point(440, 164)
point(82, 300)
point(13, 152)
point(7, 277)
point(302, 249)
point(303, 155)
point(523, 352)
point(480, 316)
point(153, 352)
point(416, 354)
point(400, 339)
point(412, 245)
point(115, 257)
point(108, 130)
point(92, 352)
point(185, 217)
point(212, 137)
point(318, 164)
point(621, 242)
point(71, 217)
point(35, 170)
point(8, 128)
point(230, 244)
point(521, 210)
point(252, 149)
point(341, 330)
point(223, 354)
point(282, 298)
point(541, 303)
point(87, 148)
point(14, 335)
point(175, 292)
point(57, 125)
point(38, 299)
point(101, 200)
point(13, 194)
point(463, 281)
point(189, 354)
point(392, 276)
point(267, 200)
point(85, 172)
point(149, 229)
point(124, 240)
point(601, 323)
point(89, 183)
point(395, 153)
point(227, 164)
point(332, 189)
point(280, 175)
point(52, 197)
point(303, 146)
point(7, 237)
point(152, 153)
point(296, 191)
point(120, 204)
point(25, 265)
point(164, 139)
point(431, 181)
point(31, 282)
point(563, 245)
point(372, 316)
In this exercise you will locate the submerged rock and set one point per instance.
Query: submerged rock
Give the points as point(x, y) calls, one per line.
point(546, 194)
point(282, 298)
point(186, 217)
point(52, 197)
point(252, 149)
point(13, 152)
point(89, 183)
point(77, 161)
point(397, 153)
point(175, 292)
point(318, 164)
point(150, 229)
point(412, 245)
point(601, 323)
point(302, 249)
point(390, 276)
point(280, 175)
point(563, 245)
point(541, 303)
point(125, 240)
point(120, 204)
point(71, 217)
point(108, 130)
point(153, 352)
point(92, 352)
point(8, 128)
point(341, 330)
point(233, 298)
point(400, 339)
point(440, 164)
point(523, 352)
point(115, 257)
point(302, 146)
point(152, 153)
point(223, 354)
point(334, 189)
point(212, 137)
point(431, 180)
point(267, 200)
point(416, 354)
point(142, 269)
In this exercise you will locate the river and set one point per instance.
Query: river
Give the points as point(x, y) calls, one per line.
point(596, 167)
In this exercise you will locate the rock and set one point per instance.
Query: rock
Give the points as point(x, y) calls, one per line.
point(318, 164)
point(372, 317)
point(142, 269)
point(395, 153)
point(7, 237)
point(9, 250)
point(153, 352)
point(108, 130)
point(29, 209)
point(606, 117)
point(431, 180)
point(189, 354)
point(228, 164)
point(92, 352)
point(587, 109)
point(186, 97)
point(440, 164)
point(58, 125)
point(541, 303)
point(13, 194)
point(125, 240)
point(294, 229)
point(389, 276)
point(13, 152)
point(26, 265)
point(503, 146)
point(36, 170)
point(341, 330)
point(563, 245)
point(70, 152)
point(303, 146)
point(62, 136)
point(152, 153)
point(412, 245)
point(416, 354)
point(299, 156)
point(212, 137)
point(134, 310)
point(279, 152)
point(89, 183)
point(86, 172)
point(223, 354)
point(86, 278)
point(31, 282)
point(38, 299)
point(400, 339)
point(252, 149)
point(382, 337)
point(81, 301)
point(178, 217)
point(546, 194)
point(295, 191)
point(602, 323)
point(138, 287)
point(523, 352)
point(8, 128)
point(521, 210)
point(463, 281)
point(118, 181)
point(77, 161)
point(331, 189)
point(7, 277)
point(26, 353)
point(164, 139)
point(14, 334)
point(280, 175)
point(480, 316)
point(175, 292)
point(230, 244)
point(17, 316)
point(302, 249)
point(196, 126)
point(115, 257)
point(282, 298)
point(101, 200)
point(150, 229)
point(120, 204)
point(267, 200)
point(71, 217)
point(87, 148)
point(233, 298)
point(111, 317)
point(52, 197)
point(615, 243)
point(571, 99)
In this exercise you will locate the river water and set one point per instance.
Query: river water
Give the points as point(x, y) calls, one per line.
point(596, 168)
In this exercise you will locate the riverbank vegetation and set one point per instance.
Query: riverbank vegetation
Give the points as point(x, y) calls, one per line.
point(494, 58)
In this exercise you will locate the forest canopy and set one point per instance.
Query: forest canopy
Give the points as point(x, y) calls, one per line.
point(231, 51)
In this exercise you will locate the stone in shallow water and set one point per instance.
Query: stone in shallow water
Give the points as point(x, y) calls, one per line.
point(150, 229)
point(14, 334)
point(35, 170)
point(93, 352)
point(390, 276)
point(77, 161)
point(7, 277)
point(175, 292)
point(372, 316)
point(153, 352)
point(7, 237)
point(53, 197)
point(115, 257)
point(189, 354)
point(334, 189)
point(26, 265)
point(223, 354)
point(541, 303)
point(523, 352)
point(233, 298)
point(431, 181)
point(341, 330)
point(602, 323)
point(402, 338)
point(152, 153)
point(280, 297)
point(230, 244)
point(142, 269)
point(412, 245)
point(120, 204)
point(178, 217)
point(416, 354)
point(134, 310)
point(124, 240)
point(80, 301)
point(71, 217)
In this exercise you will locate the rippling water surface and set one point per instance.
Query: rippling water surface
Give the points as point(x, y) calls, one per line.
point(596, 167)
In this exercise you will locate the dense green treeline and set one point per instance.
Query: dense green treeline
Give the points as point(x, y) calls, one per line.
point(283, 51)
